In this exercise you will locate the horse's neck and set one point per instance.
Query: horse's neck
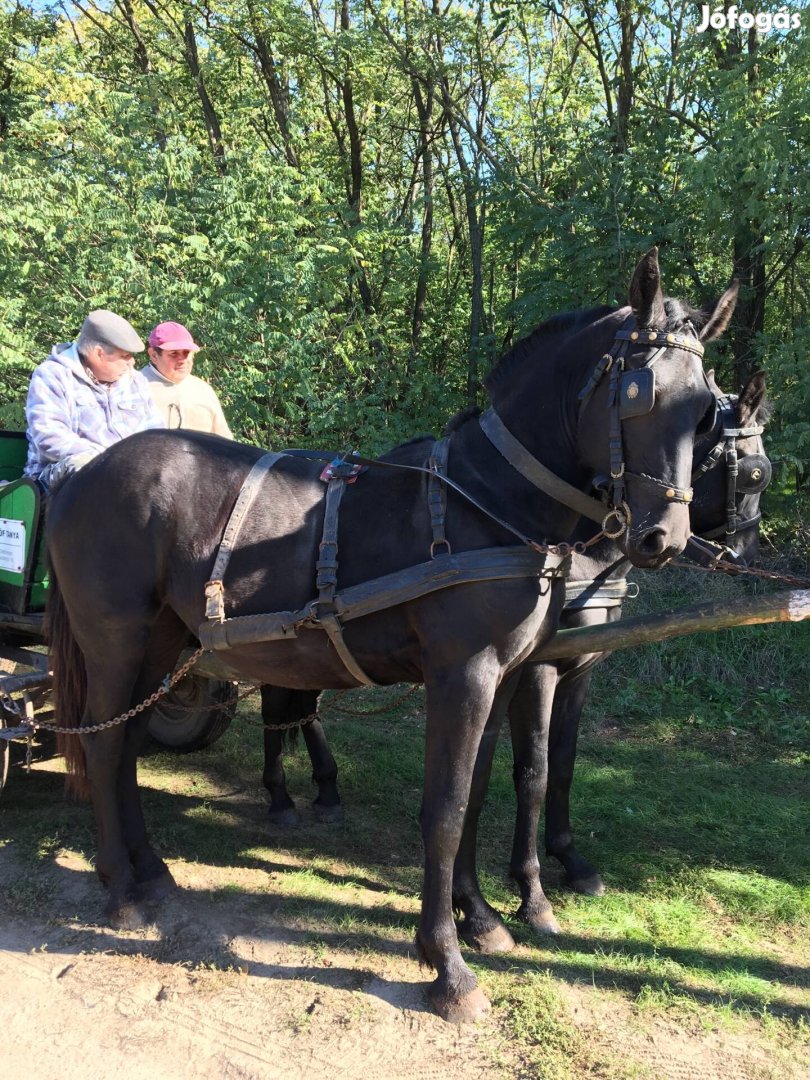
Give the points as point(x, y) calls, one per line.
point(541, 411)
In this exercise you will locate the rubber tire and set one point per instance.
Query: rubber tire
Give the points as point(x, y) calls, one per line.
point(184, 732)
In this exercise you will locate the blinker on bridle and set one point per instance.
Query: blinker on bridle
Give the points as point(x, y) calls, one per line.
point(748, 475)
point(631, 394)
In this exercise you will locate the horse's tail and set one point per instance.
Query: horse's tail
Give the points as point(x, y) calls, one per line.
point(69, 688)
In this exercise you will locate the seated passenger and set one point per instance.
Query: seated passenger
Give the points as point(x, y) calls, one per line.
point(85, 397)
point(183, 400)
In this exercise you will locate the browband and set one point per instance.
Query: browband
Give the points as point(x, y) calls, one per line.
point(661, 338)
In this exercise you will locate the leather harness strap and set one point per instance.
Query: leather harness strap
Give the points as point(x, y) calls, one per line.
point(437, 496)
point(535, 472)
point(214, 590)
point(326, 580)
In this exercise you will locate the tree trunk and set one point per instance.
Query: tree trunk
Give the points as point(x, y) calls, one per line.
point(212, 125)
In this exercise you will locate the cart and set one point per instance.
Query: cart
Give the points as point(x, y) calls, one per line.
point(192, 715)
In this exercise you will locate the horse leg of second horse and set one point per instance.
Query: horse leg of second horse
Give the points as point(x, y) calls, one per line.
point(275, 710)
point(529, 711)
point(324, 769)
point(568, 704)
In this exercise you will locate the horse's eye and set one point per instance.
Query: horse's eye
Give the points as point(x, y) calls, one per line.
point(707, 421)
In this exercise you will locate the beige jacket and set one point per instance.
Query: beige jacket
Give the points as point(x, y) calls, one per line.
point(188, 404)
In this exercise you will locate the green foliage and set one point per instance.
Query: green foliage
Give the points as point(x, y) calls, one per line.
point(269, 188)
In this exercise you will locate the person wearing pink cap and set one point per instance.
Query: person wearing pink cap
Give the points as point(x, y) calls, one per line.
point(183, 400)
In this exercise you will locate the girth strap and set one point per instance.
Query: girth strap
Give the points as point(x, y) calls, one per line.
point(535, 472)
point(214, 591)
point(326, 581)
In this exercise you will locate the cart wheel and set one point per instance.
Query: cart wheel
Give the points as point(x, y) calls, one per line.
point(193, 714)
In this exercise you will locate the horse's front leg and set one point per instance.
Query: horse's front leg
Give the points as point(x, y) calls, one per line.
point(569, 702)
point(529, 711)
point(482, 927)
point(458, 702)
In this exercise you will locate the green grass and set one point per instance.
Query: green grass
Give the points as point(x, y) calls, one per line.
point(690, 796)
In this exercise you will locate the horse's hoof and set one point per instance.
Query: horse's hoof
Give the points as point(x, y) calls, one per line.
point(288, 818)
point(587, 886)
point(126, 917)
point(542, 922)
point(490, 942)
point(545, 924)
point(463, 1010)
point(328, 815)
point(157, 888)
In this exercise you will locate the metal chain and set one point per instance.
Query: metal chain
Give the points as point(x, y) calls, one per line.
point(733, 571)
point(91, 729)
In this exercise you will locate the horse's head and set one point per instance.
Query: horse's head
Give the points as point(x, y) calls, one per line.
point(731, 469)
point(647, 398)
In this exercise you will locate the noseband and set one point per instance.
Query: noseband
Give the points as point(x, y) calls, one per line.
point(748, 475)
point(632, 393)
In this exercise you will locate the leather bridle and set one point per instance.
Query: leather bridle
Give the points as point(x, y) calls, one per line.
point(632, 393)
point(750, 479)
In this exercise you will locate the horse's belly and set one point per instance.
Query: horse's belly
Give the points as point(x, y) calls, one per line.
point(507, 620)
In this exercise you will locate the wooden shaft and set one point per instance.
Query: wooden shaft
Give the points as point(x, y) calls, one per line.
point(793, 606)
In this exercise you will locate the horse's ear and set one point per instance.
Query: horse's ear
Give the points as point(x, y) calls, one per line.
point(646, 298)
point(719, 315)
point(750, 400)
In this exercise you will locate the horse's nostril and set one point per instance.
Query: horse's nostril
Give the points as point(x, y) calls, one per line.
point(652, 542)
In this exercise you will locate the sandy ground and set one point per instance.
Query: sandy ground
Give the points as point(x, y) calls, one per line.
point(221, 985)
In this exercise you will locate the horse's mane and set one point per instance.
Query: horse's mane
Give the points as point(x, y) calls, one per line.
point(569, 322)
point(678, 312)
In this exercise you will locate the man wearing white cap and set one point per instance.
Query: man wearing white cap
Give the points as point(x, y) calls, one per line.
point(84, 397)
point(184, 400)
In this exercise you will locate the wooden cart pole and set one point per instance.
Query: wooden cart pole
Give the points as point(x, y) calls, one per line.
point(793, 606)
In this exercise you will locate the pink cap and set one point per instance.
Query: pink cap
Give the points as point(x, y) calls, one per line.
point(172, 335)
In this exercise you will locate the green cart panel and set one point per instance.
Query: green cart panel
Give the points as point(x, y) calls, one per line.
point(23, 580)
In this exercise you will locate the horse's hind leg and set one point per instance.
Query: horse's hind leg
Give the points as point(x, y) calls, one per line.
point(275, 710)
point(324, 769)
point(109, 688)
point(167, 638)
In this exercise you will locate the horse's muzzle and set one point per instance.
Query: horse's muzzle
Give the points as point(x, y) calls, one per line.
point(651, 546)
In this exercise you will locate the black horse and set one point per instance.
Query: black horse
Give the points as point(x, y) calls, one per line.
point(730, 472)
point(595, 593)
point(133, 539)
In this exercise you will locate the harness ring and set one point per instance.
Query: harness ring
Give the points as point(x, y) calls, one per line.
point(623, 518)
